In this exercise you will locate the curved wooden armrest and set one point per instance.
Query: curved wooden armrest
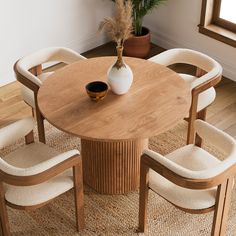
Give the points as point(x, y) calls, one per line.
point(206, 85)
point(26, 82)
point(148, 162)
point(43, 176)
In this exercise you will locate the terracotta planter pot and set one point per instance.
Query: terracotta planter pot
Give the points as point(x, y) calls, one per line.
point(138, 46)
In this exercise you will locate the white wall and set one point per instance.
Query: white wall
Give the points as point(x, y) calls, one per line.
point(175, 24)
point(29, 25)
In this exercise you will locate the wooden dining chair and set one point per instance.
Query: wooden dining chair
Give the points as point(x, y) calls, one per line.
point(29, 73)
point(208, 74)
point(191, 178)
point(35, 174)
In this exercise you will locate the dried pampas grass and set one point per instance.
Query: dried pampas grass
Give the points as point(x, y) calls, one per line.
point(120, 27)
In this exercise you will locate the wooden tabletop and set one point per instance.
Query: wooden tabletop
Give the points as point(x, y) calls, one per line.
point(157, 101)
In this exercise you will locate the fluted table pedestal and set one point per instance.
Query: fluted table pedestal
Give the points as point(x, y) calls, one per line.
point(112, 167)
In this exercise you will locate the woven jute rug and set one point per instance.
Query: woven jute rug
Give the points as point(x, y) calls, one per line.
point(114, 215)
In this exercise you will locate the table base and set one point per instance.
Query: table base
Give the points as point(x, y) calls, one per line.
point(112, 167)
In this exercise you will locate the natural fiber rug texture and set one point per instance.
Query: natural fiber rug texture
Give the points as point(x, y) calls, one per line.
point(114, 215)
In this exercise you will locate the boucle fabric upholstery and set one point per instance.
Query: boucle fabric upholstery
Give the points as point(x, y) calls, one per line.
point(30, 160)
point(52, 54)
point(28, 94)
point(200, 60)
point(33, 159)
point(57, 54)
point(40, 193)
point(13, 132)
point(114, 214)
point(193, 162)
point(206, 97)
point(191, 158)
point(210, 134)
point(187, 56)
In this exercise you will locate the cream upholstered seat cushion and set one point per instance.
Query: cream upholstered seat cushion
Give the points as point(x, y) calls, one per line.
point(222, 141)
point(205, 98)
point(28, 94)
point(194, 163)
point(193, 158)
point(26, 157)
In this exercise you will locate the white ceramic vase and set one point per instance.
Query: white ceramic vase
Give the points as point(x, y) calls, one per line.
point(120, 76)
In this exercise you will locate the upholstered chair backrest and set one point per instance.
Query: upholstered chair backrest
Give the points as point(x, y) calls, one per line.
point(191, 57)
point(46, 55)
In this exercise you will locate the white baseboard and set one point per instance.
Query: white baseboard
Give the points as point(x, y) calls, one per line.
point(229, 69)
point(80, 46)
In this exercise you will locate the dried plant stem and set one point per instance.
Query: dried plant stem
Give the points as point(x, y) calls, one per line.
point(120, 27)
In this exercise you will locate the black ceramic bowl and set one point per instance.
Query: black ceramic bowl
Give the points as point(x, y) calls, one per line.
point(97, 90)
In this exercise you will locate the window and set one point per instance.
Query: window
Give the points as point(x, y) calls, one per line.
point(218, 20)
point(224, 14)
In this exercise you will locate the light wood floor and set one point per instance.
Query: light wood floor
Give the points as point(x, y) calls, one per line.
point(222, 113)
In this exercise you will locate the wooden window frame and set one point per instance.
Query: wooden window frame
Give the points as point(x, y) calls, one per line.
point(213, 26)
point(220, 21)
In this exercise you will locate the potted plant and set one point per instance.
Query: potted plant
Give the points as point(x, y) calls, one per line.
point(139, 44)
point(119, 28)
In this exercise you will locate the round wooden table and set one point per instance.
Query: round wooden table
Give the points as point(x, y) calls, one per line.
point(114, 131)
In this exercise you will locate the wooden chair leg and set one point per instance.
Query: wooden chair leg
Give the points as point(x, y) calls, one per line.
point(191, 131)
point(79, 196)
point(192, 118)
point(29, 138)
point(202, 116)
point(33, 112)
point(40, 125)
point(3, 213)
point(143, 197)
point(40, 118)
point(193, 112)
point(226, 208)
point(220, 196)
point(222, 208)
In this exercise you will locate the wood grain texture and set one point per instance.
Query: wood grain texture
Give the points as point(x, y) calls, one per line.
point(4, 222)
point(143, 197)
point(12, 107)
point(220, 198)
point(157, 101)
point(79, 195)
point(37, 70)
point(193, 114)
point(227, 201)
point(112, 167)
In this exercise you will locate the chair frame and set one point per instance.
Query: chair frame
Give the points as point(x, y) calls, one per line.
point(193, 113)
point(223, 181)
point(74, 162)
point(37, 70)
